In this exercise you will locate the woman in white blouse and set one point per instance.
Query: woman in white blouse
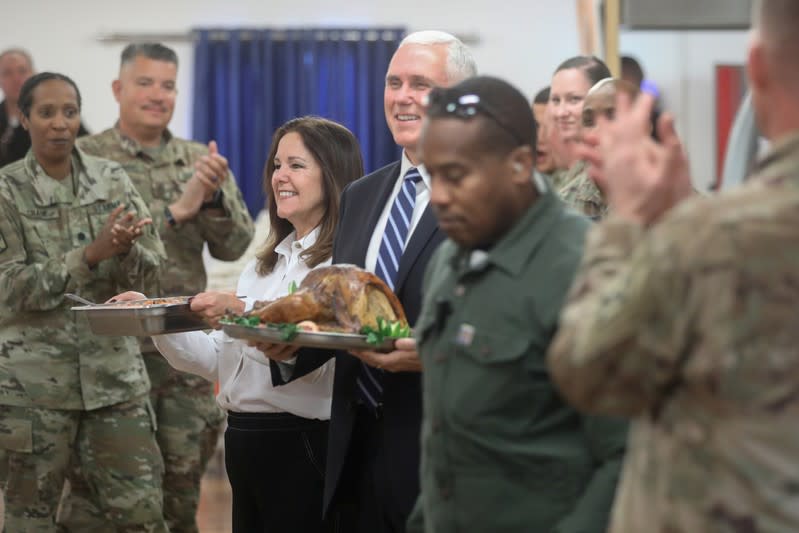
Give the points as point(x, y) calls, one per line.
point(276, 438)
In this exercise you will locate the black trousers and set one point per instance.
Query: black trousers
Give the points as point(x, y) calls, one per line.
point(276, 463)
point(363, 502)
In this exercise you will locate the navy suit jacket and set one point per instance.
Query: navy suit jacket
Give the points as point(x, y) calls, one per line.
point(362, 203)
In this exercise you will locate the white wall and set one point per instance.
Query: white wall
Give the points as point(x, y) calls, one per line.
point(520, 40)
point(683, 66)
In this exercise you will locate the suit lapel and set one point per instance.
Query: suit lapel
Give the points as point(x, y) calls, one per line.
point(419, 238)
point(373, 207)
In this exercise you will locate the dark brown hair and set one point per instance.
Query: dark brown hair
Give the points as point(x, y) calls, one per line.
point(593, 68)
point(337, 152)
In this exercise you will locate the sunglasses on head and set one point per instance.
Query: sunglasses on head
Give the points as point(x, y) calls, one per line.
point(465, 106)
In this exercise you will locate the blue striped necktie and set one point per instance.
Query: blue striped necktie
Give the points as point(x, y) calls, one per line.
point(370, 387)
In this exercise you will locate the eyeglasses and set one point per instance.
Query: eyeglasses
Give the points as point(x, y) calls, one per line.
point(591, 116)
point(464, 106)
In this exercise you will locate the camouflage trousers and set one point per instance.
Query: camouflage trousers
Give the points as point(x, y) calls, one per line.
point(189, 422)
point(115, 446)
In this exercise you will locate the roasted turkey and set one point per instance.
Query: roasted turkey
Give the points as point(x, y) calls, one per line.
point(341, 298)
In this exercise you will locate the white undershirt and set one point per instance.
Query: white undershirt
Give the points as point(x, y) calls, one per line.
point(243, 372)
point(422, 199)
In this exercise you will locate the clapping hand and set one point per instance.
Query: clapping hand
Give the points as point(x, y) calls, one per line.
point(116, 237)
point(210, 171)
point(641, 178)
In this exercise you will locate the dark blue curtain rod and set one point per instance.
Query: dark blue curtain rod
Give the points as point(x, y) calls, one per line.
point(280, 33)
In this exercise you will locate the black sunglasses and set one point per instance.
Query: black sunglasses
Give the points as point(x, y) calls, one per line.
point(466, 106)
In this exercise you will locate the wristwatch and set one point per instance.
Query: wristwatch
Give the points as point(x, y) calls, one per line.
point(215, 202)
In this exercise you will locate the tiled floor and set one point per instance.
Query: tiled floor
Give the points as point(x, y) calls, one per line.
point(213, 515)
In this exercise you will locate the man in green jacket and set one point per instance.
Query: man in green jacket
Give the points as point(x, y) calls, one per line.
point(501, 451)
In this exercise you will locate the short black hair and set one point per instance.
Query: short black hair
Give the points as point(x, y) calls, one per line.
point(25, 102)
point(594, 68)
point(631, 66)
point(156, 51)
point(507, 117)
point(542, 97)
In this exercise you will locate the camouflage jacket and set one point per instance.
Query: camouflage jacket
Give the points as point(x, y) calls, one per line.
point(48, 356)
point(691, 328)
point(580, 193)
point(160, 181)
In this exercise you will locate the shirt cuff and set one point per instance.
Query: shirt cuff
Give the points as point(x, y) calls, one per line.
point(129, 260)
point(77, 267)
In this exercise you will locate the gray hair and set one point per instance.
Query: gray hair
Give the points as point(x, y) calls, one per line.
point(460, 62)
point(19, 51)
point(156, 51)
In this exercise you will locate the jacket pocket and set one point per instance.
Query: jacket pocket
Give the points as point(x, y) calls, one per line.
point(485, 384)
point(492, 348)
point(42, 234)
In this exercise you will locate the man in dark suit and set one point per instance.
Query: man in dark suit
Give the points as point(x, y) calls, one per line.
point(372, 470)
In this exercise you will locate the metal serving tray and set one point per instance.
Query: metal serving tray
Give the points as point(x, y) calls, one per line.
point(142, 318)
point(309, 339)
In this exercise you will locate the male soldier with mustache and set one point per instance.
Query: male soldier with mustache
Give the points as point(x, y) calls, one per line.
point(194, 200)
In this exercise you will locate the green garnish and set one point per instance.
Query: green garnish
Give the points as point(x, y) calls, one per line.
point(249, 321)
point(292, 287)
point(386, 329)
point(287, 331)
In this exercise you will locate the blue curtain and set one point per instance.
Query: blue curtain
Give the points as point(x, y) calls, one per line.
point(247, 82)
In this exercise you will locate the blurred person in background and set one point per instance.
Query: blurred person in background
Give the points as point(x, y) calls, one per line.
point(544, 158)
point(570, 85)
point(16, 66)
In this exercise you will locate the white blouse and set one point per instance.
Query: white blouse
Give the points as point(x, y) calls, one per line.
point(245, 380)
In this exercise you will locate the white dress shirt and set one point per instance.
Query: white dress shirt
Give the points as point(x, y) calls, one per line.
point(243, 372)
point(422, 199)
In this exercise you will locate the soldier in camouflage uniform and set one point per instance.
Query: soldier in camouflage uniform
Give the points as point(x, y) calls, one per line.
point(67, 395)
point(685, 319)
point(575, 187)
point(579, 192)
point(570, 86)
point(190, 209)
